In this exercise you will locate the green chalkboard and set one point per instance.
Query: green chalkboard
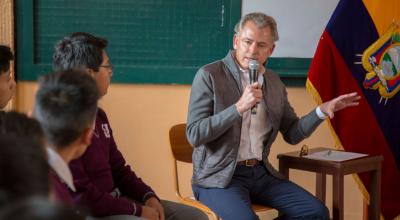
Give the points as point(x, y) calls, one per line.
point(157, 41)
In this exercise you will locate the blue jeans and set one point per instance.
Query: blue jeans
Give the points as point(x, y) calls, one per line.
point(256, 184)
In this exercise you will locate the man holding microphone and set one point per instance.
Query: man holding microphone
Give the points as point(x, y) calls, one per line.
point(232, 144)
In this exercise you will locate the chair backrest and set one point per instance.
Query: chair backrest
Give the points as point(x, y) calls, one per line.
point(182, 152)
point(180, 146)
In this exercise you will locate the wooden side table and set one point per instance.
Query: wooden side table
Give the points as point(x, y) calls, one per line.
point(337, 170)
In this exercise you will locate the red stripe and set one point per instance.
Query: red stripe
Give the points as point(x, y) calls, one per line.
point(356, 127)
point(393, 81)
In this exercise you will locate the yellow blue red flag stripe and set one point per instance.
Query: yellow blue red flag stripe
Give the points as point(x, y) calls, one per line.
point(373, 127)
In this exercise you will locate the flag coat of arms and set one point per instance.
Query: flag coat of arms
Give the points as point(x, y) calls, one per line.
point(360, 51)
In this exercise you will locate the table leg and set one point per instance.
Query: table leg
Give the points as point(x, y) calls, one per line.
point(375, 194)
point(321, 187)
point(283, 169)
point(338, 197)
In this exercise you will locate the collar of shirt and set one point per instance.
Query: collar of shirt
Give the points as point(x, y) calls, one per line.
point(60, 167)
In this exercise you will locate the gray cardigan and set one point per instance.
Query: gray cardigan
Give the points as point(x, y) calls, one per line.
point(214, 124)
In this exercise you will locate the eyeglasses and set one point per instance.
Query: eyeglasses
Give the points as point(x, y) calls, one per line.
point(109, 66)
point(304, 150)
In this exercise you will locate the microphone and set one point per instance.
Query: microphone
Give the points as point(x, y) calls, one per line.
point(253, 68)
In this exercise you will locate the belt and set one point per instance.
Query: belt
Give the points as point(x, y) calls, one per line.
point(249, 162)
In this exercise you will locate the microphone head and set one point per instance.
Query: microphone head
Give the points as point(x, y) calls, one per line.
point(253, 65)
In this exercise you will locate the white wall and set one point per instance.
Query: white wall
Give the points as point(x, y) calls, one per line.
point(300, 23)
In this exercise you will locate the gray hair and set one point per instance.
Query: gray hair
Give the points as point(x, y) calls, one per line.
point(65, 105)
point(261, 20)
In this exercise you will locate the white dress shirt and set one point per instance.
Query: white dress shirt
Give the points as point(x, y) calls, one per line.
point(60, 167)
point(255, 127)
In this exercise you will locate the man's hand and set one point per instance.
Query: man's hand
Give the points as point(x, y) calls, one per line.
point(156, 205)
point(251, 96)
point(339, 103)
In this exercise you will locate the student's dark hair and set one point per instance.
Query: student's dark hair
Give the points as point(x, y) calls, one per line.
point(23, 169)
point(20, 125)
point(66, 104)
point(38, 208)
point(5, 57)
point(79, 50)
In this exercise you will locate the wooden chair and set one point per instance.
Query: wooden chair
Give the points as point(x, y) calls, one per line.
point(182, 151)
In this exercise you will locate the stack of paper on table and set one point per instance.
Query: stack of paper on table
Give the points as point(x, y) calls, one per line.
point(334, 155)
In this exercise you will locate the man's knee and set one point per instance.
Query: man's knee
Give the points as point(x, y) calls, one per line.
point(321, 212)
point(313, 210)
point(239, 215)
point(318, 212)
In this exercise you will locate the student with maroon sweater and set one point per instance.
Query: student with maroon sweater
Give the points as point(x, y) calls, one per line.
point(104, 182)
point(65, 106)
point(23, 165)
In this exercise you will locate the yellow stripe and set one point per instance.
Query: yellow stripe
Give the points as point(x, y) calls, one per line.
point(314, 93)
point(383, 13)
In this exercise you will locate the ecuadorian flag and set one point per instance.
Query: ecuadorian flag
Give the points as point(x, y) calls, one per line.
point(373, 127)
